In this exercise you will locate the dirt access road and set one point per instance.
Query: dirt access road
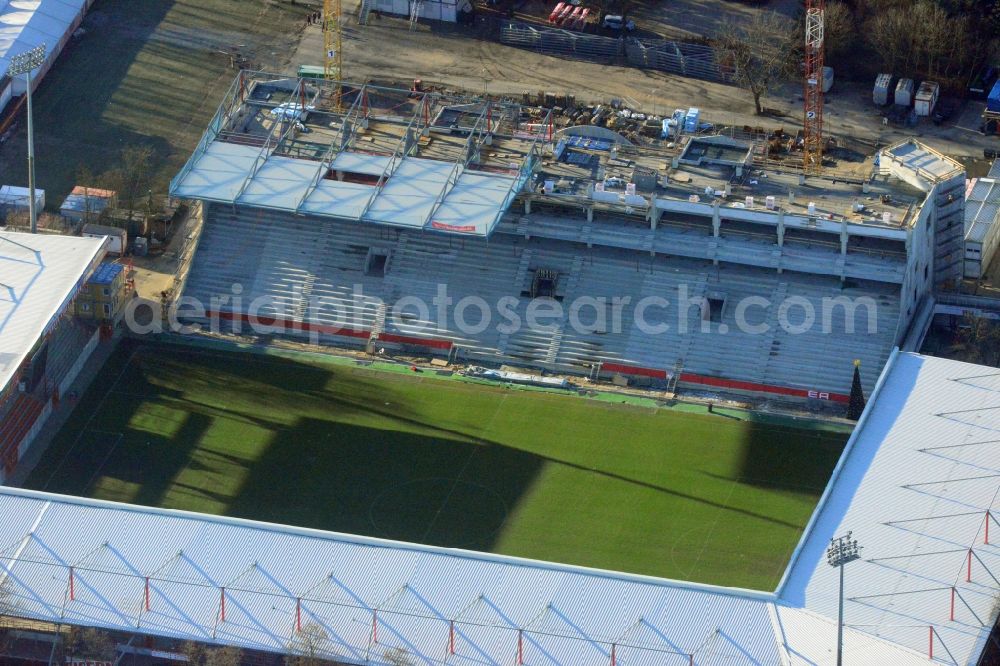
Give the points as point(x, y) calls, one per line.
point(386, 50)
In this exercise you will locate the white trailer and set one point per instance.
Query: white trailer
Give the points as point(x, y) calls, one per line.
point(926, 98)
point(904, 92)
point(882, 94)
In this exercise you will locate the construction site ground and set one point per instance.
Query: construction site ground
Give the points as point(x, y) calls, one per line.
point(155, 75)
point(462, 57)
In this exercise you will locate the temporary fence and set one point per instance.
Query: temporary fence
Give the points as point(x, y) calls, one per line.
point(683, 58)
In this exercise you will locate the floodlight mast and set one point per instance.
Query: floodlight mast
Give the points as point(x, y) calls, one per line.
point(24, 63)
point(841, 551)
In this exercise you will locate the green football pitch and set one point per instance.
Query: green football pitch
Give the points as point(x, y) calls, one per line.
point(412, 456)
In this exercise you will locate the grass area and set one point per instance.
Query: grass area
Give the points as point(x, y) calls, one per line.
point(710, 498)
point(146, 72)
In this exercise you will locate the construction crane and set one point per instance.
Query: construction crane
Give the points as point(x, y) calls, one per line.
point(812, 123)
point(333, 58)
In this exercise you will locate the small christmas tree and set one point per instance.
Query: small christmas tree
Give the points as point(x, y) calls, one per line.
point(857, 402)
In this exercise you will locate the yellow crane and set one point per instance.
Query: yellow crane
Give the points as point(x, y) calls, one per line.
point(333, 60)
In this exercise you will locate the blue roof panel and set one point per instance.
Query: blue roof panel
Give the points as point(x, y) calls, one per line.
point(106, 273)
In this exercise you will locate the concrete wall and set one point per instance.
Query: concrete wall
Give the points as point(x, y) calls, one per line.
point(64, 387)
point(918, 281)
point(948, 199)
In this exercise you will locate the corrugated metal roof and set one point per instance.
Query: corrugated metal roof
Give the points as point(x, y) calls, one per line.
point(39, 274)
point(25, 24)
point(982, 208)
point(369, 596)
point(915, 487)
point(417, 192)
point(994, 170)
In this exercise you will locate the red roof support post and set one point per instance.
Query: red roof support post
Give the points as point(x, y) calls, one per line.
point(451, 637)
point(951, 616)
point(987, 540)
point(613, 660)
point(222, 604)
point(374, 626)
point(520, 647)
point(146, 594)
point(690, 660)
point(930, 642)
point(72, 596)
point(298, 614)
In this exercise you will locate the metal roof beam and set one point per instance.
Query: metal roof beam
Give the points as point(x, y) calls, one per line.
point(266, 150)
point(391, 166)
point(326, 163)
point(477, 135)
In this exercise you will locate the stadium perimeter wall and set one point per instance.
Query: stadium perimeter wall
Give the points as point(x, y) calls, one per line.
point(63, 389)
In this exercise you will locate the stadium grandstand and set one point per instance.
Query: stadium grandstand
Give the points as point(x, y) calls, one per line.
point(26, 24)
point(42, 346)
point(916, 485)
point(333, 206)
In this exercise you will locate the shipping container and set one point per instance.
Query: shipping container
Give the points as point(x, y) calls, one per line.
point(904, 92)
point(926, 98)
point(311, 72)
point(993, 101)
point(882, 93)
point(117, 238)
point(15, 199)
point(691, 119)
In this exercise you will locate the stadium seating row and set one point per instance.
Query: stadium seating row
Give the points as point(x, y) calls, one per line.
point(311, 270)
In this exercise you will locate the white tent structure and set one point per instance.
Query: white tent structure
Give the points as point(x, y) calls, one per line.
point(25, 24)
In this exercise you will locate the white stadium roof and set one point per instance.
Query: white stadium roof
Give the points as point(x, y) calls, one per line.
point(25, 24)
point(39, 275)
point(370, 596)
point(915, 485)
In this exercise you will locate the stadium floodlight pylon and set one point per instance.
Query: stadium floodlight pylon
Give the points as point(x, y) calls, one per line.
point(24, 63)
point(841, 551)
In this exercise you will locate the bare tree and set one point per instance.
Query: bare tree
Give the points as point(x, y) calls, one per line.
point(7, 609)
point(90, 643)
point(131, 178)
point(922, 40)
point(307, 646)
point(760, 53)
point(839, 31)
point(978, 340)
point(225, 656)
point(195, 652)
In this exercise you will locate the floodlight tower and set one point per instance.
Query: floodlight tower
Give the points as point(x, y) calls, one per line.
point(812, 124)
point(841, 551)
point(24, 63)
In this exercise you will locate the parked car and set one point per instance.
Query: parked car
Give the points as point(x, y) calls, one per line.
point(618, 22)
